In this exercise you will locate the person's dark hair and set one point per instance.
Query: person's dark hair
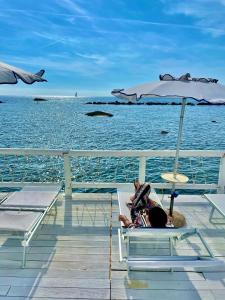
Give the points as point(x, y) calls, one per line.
point(157, 217)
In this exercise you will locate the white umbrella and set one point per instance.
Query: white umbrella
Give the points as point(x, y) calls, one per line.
point(10, 75)
point(199, 89)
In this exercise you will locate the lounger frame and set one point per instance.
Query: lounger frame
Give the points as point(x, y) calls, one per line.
point(171, 261)
point(173, 235)
point(27, 236)
point(216, 205)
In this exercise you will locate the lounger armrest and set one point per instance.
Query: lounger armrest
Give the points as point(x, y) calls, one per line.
point(162, 233)
point(173, 262)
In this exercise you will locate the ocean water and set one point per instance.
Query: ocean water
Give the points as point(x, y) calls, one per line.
point(62, 124)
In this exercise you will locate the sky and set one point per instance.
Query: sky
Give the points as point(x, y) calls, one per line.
point(93, 46)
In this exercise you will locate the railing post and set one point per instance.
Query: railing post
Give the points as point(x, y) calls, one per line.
point(142, 168)
point(221, 180)
point(67, 175)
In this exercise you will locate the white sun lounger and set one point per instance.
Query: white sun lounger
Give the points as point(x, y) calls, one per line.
point(22, 212)
point(217, 202)
point(172, 235)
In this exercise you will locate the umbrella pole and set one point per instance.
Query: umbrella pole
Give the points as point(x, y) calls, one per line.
point(177, 153)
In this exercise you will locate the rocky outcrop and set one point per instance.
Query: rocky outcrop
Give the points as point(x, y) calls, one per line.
point(40, 99)
point(98, 113)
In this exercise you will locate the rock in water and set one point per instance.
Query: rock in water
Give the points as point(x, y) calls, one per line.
point(40, 99)
point(98, 113)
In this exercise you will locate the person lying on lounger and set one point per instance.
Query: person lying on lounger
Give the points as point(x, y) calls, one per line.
point(155, 217)
point(141, 212)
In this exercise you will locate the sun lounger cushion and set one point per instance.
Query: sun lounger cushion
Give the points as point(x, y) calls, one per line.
point(42, 188)
point(18, 220)
point(30, 199)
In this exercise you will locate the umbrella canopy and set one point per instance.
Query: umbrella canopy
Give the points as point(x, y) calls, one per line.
point(10, 75)
point(200, 89)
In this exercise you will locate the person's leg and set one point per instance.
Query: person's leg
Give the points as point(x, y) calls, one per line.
point(137, 186)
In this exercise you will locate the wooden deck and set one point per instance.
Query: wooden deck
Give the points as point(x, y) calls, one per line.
point(74, 255)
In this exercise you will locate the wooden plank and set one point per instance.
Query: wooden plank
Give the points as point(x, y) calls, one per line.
point(17, 298)
point(65, 257)
point(58, 282)
point(4, 289)
point(100, 238)
point(218, 294)
point(80, 230)
point(81, 222)
point(54, 273)
point(62, 243)
point(215, 275)
point(168, 285)
point(73, 243)
point(65, 265)
point(69, 293)
point(141, 275)
point(57, 250)
point(142, 294)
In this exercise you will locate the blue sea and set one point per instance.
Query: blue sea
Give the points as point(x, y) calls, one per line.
point(61, 123)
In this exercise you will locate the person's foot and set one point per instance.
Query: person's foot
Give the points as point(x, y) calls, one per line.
point(137, 184)
point(125, 220)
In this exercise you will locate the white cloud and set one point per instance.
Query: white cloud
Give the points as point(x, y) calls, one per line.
point(208, 15)
point(72, 7)
point(62, 67)
point(99, 59)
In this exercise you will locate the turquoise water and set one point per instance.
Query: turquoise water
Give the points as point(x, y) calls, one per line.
point(62, 124)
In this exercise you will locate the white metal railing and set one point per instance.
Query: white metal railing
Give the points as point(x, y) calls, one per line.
point(141, 155)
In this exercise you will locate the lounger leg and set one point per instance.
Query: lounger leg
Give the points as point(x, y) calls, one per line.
point(171, 246)
point(211, 214)
point(171, 251)
point(120, 245)
point(128, 252)
point(25, 244)
point(205, 244)
point(56, 211)
point(24, 256)
point(211, 217)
